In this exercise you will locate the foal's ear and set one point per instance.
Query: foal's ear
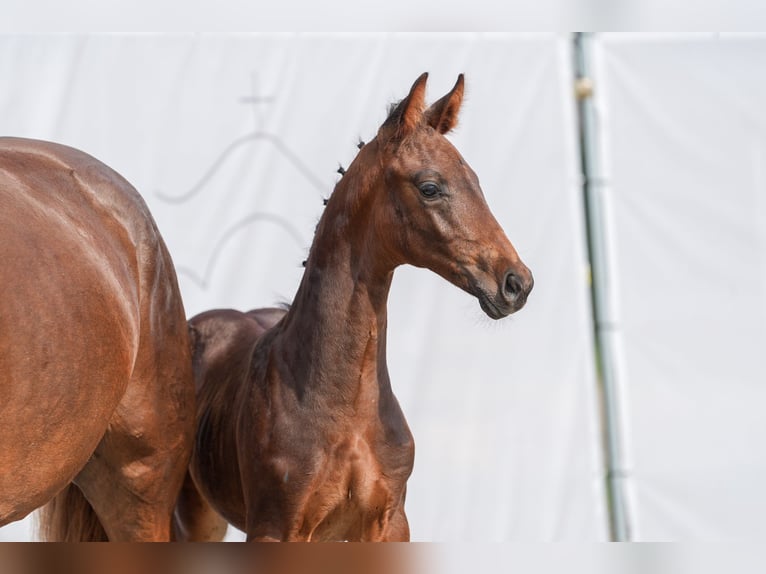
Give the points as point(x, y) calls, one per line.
point(408, 114)
point(442, 115)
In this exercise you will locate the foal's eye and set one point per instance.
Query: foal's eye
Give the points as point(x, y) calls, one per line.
point(429, 189)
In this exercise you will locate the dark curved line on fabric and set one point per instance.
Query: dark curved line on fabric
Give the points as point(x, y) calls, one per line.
point(280, 146)
point(279, 221)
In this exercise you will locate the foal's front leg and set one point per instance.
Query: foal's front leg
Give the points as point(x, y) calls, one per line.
point(278, 526)
point(397, 529)
point(270, 515)
point(391, 527)
point(270, 532)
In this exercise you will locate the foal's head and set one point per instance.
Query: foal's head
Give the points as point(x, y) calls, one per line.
point(427, 209)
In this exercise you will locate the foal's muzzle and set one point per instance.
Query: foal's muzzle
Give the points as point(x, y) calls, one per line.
point(511, 294)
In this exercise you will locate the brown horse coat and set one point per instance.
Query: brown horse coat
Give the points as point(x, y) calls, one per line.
point(299, 434)
point(95, 369)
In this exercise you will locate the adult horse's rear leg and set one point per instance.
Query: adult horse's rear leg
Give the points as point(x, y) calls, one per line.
point(134, 476)
point(132, 483)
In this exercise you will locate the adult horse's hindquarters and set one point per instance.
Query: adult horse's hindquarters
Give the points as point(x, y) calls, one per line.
point(95, 369)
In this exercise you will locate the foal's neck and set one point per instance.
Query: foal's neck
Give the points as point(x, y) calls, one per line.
point(333, 338)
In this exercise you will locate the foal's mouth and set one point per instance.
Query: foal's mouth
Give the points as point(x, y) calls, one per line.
point(490, 308)
point(490, 303)
point(498, 298)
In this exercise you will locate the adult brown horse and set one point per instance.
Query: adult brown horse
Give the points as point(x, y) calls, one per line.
point(96, 388)
point(299, 434)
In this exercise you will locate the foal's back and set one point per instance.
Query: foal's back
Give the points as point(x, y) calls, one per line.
point(223, 343)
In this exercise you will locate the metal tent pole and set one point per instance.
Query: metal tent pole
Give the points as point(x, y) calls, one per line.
point(603, 314)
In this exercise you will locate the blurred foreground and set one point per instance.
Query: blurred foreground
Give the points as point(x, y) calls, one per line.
point(378, 559)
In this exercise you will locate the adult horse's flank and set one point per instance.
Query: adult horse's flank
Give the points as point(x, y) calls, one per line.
point(96, 389)
point(299, 434)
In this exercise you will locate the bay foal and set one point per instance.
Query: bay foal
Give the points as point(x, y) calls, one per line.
point(299, 434)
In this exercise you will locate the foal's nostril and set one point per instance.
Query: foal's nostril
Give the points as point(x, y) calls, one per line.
point(513, 285)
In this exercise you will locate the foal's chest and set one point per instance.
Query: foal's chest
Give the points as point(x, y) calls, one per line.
point(354, 488)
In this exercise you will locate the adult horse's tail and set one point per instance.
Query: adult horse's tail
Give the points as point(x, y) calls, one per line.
point(69, 517)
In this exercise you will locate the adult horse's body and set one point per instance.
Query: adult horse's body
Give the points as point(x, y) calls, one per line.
point(299, 434)
point(96, 389)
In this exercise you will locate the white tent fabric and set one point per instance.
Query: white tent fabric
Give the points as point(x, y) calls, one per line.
point(235, 139)
point(683, 135)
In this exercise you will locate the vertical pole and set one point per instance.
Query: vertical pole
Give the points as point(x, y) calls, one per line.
point(603, 314)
